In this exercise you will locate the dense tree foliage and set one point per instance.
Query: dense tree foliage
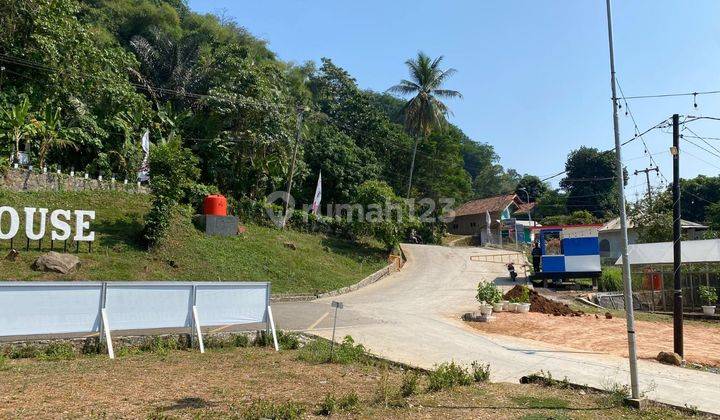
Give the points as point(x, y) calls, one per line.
point(530, 187)
point(591, 182)
point(84, 79)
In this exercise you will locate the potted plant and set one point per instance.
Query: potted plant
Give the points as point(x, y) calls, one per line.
point(490, 298)
point(522, 302)
point(709, 296)
point(505, 305)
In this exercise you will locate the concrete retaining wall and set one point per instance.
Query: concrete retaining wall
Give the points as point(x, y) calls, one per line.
point(26, 180)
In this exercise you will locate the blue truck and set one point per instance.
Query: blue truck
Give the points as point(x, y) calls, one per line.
point(568, 252)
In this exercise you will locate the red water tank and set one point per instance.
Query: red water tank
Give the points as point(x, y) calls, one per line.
point(215, 205)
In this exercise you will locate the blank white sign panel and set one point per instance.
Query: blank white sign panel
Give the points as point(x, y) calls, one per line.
point(144, 305)
point(232, 304)
point(43, 309)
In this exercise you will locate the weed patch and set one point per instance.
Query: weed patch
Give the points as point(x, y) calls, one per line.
point(58, 351)
point(24, 352)
point(448, 375)
point(160, 345)
point(268, 410)
point(480, 371)
point(318, 351)
point(386, 395)
point(409, 384)
point(349, 403)
point(546, 379)
point(617, 393)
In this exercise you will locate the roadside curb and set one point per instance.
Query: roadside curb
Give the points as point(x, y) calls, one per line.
point(394, 266)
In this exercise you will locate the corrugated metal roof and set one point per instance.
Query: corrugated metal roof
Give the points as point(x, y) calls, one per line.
point(614, 224)
point(703, 251)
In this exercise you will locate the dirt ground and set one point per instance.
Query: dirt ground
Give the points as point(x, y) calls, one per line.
point(595, 333)
point(228, 383)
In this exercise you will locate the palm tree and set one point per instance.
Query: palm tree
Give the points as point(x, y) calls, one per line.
point(424, 111)
point(51, 134)
point(15, 120)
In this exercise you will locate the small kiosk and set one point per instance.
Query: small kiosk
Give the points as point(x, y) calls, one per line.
point(568, 252)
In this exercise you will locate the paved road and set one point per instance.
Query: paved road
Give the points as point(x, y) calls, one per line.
point(413, 317)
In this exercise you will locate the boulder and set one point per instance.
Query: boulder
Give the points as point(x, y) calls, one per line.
point(57, 262)
point(290, 245)
point(669, 358)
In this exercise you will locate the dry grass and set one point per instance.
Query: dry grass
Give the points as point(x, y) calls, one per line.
point(226, 383)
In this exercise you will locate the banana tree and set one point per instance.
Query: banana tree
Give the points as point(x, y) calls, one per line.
point(17, 123)
point(51, 134)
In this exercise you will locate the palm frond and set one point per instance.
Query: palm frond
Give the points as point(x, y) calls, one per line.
point(447, 93)
point(439, 78)
point(405, 87)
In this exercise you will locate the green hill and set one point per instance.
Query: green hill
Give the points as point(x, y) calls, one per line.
point(319, 263)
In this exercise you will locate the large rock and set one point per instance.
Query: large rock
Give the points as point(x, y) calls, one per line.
point(669, 358)
point(57, 262)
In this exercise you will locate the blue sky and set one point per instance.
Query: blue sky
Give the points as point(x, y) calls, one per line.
point(534, 74)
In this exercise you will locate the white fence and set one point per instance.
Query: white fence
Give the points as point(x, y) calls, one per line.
point(28, 308)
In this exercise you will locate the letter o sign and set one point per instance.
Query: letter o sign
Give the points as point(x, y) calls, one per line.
point(14, 222)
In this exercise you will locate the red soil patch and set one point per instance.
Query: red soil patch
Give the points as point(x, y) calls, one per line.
point(597, 334)
point(542, 304)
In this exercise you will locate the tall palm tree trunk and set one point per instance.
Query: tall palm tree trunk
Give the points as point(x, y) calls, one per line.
point(412, 166)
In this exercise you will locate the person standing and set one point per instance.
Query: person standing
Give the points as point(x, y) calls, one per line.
point(536, 254)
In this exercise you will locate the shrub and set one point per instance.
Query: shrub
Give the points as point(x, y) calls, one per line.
point(4, 362)
point(263, 339)
point(388, 396)
point(708, 295)
point(58, 351)
point(349, 352)
point(288, 341)
point(268, 410)
point(4, 166)
point(524, 296)
point(214, 342)
point(617, 393)
point(610, 280)
point(318, 351)
point(480, 371)
point(241, 340)
point(331, 405)
point(448, 375)
point(173, 173)
point(409, 384)
point(160, 345)
point(24, 352)
point(488, 292)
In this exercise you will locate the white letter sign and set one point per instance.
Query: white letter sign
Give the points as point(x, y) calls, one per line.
point(14, 222)
point(36, 225)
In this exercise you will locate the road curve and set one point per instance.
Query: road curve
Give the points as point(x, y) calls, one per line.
point(413, 316)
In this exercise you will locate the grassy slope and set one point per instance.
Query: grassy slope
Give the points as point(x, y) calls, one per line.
point(318, 264)
point(227, 383)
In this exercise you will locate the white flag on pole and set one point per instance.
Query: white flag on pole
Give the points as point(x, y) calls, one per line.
point(318, 195)
point(144, 172)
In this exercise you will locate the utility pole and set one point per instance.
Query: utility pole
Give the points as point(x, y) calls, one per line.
point(647, 178)
point(677, 257)
point(528, 201)
point(292, 164)
point(627, 281)
point(412, 166)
